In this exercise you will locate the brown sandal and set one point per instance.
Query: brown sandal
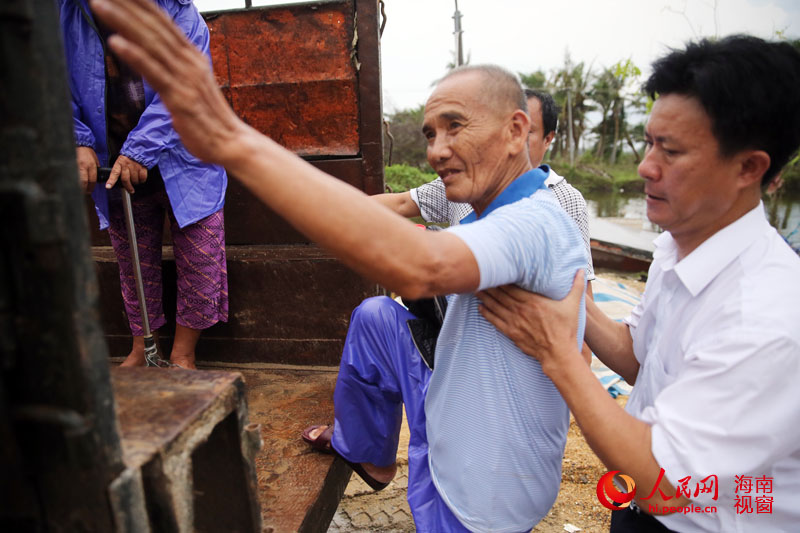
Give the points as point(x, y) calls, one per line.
point(322, 443)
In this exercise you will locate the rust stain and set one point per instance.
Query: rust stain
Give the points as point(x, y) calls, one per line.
point(280, 64)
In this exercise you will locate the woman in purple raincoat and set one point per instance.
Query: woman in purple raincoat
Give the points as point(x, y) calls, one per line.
point(121, 123)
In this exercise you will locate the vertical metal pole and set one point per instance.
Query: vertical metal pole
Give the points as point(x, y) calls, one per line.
point(570, 142)
point(150, 349)
point(137, 269)
point(457, 32)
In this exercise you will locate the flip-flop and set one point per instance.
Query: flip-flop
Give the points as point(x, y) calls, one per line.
point(322, 443)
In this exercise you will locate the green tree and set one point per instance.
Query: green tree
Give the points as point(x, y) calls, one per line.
point(569, 87)
point(603, 93)
point(625, 74)
point(534, 80)
point(613, 92)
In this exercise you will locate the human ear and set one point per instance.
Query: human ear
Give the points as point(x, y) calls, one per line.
point(548, 140)
point(519, 127)
point(754, 164)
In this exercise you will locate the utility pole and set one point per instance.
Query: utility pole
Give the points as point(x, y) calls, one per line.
point(457, 32)
point(570, 87)
point(569, 126)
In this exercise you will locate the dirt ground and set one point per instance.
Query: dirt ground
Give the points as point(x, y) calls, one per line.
point(362, 510)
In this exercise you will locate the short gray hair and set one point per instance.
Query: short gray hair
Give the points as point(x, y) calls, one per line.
point(502, 88)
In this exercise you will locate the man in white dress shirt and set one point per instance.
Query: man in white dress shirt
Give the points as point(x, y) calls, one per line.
point(711, 435)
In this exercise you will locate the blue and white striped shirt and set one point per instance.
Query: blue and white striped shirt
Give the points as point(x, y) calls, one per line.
point(496, 425)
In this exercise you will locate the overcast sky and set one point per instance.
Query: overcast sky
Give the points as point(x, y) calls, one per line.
point(527, 35)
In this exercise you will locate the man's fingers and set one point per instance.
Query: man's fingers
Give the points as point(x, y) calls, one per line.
point(497, 308)
point(492, 299)
point(499, 294)
point(577, 285)
point(515, 293)
point(490, 314)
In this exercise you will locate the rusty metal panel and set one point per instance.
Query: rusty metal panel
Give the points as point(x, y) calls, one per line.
point(288, 72)
point(369, 95)
point(248, 221)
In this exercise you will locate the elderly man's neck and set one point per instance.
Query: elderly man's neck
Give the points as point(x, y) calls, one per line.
point(503, 179)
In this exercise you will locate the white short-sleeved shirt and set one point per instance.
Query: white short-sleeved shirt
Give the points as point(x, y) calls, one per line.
point(434, 206)
point(496, 425)
point(717, 336)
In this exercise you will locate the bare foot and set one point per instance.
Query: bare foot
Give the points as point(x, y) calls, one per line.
point(183, 361)
point(183, 347)
point(135, 358)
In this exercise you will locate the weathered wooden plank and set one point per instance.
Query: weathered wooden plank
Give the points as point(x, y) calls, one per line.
point(299, 488)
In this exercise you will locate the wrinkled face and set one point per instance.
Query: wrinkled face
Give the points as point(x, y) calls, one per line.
point(538, 142)
point(689, 186)
point(466, 146)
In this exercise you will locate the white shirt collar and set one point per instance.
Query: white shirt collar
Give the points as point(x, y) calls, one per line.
point(705, 262)
point(553, 178)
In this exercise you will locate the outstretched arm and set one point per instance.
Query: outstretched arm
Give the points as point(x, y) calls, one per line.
point(399, 202)
point(366, 236)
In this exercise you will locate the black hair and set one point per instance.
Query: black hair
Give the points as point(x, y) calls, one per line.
point(549, 107)
point(749, 87)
